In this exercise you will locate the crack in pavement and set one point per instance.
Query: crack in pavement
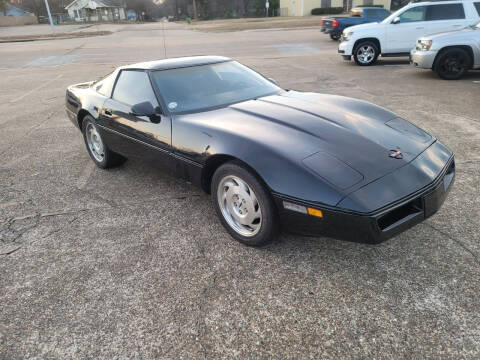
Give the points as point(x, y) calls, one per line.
point(13, 245)
point(458, 242)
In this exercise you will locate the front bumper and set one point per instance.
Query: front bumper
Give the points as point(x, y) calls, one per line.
point(374, 227)
point(345, 48)
point(423, 59)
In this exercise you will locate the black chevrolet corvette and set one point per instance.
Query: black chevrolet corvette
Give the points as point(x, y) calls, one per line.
point(315, 163)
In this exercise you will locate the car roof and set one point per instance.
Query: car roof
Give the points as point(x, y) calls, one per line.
point(429, 2)
point(175, 63)
point(367, 8)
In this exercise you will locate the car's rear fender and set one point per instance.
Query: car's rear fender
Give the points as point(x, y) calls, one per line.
point(81, 100)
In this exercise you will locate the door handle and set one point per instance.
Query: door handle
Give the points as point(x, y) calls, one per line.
point(456, 25)
point(108, 112)
point(420, 28)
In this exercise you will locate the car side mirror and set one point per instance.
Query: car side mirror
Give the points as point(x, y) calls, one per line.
point(146, 109)
point(273, 81)
point(396, 20)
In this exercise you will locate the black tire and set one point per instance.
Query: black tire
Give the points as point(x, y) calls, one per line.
point(109, 159)
point(269, 224)
point(370, 48)
point(452, 64)
point(335, 36)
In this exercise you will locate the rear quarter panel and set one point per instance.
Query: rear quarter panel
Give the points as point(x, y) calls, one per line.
point(82, 97)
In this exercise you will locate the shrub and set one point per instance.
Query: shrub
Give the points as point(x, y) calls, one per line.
point(327, 10)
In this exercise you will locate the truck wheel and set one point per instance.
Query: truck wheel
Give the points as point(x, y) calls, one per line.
point(366, 53)
point(452, 64)
point(335, 36)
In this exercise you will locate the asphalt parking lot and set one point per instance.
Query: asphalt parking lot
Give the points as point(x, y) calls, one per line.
point(131, 263)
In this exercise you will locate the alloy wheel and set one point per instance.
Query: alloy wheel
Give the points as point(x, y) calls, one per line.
point(453, 64)
point(95, 143)
point(239, 206)
point(365, 54)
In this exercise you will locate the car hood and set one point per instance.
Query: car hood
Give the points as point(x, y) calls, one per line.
point(373, 26)
point(462, 34)
point(337, 129)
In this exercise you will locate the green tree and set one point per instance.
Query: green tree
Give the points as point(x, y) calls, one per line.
point(3, 7)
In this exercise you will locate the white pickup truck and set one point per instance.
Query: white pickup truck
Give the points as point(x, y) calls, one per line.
point(397, 34)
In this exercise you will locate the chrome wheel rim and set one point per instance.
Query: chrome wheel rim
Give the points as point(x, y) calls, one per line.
point(94, 142)
point(365, 54)
point(239, 206)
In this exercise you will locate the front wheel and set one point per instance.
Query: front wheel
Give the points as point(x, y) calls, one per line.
point(366, 53)
point(452, 64)
point(335, 36)
point(244, 205)
point(101, 155)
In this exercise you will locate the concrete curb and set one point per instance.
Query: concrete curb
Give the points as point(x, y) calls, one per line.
point(28, 38)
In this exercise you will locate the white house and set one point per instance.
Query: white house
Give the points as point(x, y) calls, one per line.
point(97, 10)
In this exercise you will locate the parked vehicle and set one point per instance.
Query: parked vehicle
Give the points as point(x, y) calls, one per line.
point(398, 33)
point(334, 26)
point(319, 164)
point(449, 54)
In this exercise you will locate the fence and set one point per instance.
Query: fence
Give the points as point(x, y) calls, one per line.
point(17, 20)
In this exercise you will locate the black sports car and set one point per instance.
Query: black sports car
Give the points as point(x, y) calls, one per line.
point(318, 164)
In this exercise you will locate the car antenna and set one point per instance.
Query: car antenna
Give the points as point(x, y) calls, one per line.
point(164, 42)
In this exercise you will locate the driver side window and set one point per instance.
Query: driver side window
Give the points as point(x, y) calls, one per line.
point(133, 87)
point(413, 15)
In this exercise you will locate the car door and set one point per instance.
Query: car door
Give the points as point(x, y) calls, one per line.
point(445, 17)
point(147, 138)
point(476, 44)
point(402, 35)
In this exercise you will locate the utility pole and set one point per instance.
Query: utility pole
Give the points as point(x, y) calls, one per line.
point(50, 17)
point(194, 9)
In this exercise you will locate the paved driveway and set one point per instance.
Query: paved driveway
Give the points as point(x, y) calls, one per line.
point(130, 263)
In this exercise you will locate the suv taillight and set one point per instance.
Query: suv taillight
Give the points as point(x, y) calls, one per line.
point(335, 23)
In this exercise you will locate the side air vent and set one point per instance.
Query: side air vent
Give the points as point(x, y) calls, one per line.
point(400, 214)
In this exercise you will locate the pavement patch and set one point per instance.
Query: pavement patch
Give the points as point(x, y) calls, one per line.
point(296, 49)
point(52, 61)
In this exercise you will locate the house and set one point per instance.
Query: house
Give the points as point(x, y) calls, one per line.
point(97, 10)
point(13, 16)
point(304, 7)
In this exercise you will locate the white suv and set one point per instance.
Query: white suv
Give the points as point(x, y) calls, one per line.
point(450, 54)
point(398, 33)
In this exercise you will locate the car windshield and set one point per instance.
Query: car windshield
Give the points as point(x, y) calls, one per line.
point(202, 87)
point(390, 18)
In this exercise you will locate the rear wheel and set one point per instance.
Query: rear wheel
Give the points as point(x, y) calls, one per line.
point(366, 53)
point(335, 36)
point(101, 155)
point(244, 205)
point(452, 64)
